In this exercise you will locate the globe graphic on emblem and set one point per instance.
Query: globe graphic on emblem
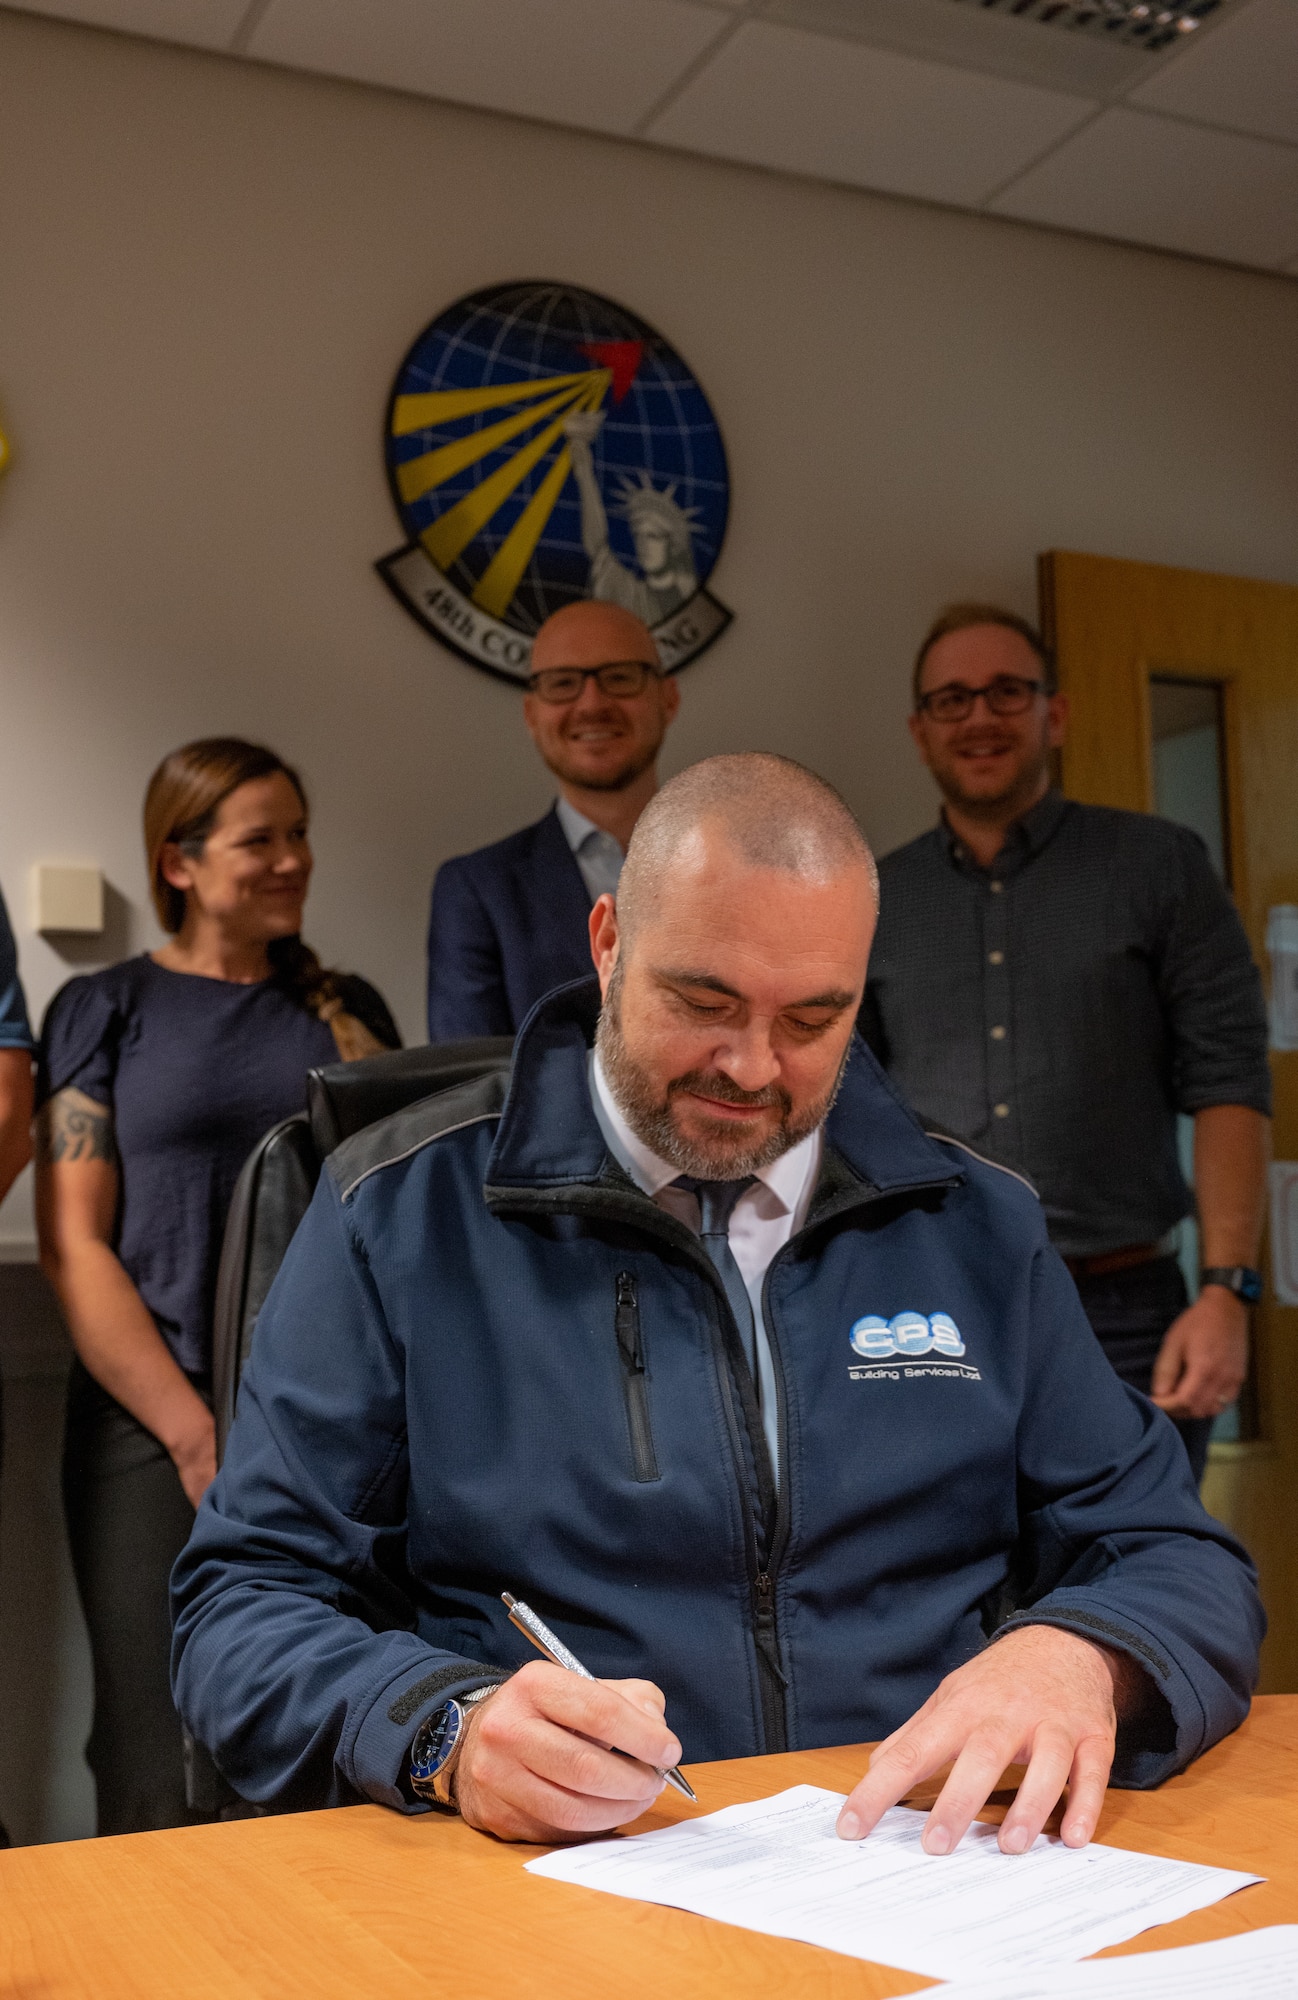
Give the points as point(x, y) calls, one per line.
point(545, 445)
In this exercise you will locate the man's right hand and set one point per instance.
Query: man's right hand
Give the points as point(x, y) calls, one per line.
point(534, 1764)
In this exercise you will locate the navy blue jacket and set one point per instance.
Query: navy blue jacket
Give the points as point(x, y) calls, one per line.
point(490, 1363)
point(507, 924)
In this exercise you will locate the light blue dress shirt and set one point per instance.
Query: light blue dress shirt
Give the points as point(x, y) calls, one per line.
point(596, 853)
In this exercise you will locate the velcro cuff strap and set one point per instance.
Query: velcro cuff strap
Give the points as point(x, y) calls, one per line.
point(409, 1702)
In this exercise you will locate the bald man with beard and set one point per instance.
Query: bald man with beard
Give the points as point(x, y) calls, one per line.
point(783, 1412)
point(509, 921)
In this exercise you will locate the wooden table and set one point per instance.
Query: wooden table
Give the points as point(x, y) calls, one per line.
point(364, 1902)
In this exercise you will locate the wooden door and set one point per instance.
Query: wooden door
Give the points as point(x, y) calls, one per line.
point(1117, 627)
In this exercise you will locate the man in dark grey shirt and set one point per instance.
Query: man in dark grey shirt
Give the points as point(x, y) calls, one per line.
point(1051, 983)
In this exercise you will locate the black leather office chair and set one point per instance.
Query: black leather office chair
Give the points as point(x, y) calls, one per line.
point(278, 1180)
point(271, 1196)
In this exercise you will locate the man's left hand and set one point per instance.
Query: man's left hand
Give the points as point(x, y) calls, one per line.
point(1204, 1357)
point(1040, 1697)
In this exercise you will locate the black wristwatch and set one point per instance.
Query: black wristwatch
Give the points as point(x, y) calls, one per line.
point(436, 1749)
point(1241, 1279)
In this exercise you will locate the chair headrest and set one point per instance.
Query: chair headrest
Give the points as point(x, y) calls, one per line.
point(343, 1098)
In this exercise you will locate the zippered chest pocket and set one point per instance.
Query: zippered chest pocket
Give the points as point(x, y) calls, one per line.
point(635, 1388)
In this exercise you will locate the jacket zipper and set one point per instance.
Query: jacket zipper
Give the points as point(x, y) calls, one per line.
point(773, 1684)
point(626, 1321)
point(763, 1550)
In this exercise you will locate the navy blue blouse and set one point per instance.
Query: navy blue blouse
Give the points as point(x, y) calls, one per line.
point(195, 1071)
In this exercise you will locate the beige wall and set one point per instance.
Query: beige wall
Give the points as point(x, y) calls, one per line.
point(208, 274)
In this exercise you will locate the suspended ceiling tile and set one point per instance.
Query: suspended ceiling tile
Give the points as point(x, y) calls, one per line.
point(1179, 187)
point(778, 98)
point(1245, 74)
point(205, 24)
point(601, 64)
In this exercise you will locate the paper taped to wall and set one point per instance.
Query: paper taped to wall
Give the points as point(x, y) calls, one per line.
point(1282, 947)
point(777, 1866)
point(1284, 1230)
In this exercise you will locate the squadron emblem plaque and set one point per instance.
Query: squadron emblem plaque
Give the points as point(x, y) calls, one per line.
point(545, 445)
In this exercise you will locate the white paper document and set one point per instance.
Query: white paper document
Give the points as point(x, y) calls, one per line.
point(1263, 1965)
point(778, 1866)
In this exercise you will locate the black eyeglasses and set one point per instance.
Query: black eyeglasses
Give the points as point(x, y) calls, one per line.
point(1006, 695)
point(620, 678)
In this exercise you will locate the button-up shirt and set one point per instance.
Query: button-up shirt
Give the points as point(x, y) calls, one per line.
point(1058, 1009)
point(761, 1223)
point(596, 853)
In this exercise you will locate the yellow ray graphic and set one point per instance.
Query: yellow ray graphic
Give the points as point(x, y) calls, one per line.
point(4, 451)
point(443, 406)
point(450, 535)
point(501, 578)
point(418, 475)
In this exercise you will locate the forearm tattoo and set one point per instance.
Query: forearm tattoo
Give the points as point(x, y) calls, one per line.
point(73, 1127)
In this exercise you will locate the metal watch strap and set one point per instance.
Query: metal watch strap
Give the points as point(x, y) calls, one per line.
point(444, 1782)
point(439, 1790)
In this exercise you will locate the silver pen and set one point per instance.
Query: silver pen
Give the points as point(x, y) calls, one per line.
point(549, 1643)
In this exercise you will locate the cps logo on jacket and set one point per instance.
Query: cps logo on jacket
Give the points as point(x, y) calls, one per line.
point(908, 1345)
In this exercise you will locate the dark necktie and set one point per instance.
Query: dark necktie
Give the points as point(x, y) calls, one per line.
point(716, 1201)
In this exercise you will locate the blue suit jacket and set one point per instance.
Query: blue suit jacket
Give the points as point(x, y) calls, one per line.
point(508, 923)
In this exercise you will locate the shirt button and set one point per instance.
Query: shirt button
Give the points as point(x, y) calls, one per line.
point(997, 888)
point(995, 958)
point(1001, 1110)
point(998, 1034)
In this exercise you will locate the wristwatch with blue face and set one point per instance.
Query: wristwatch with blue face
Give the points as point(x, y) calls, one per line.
point(435, 1751)
point(1238, 1278)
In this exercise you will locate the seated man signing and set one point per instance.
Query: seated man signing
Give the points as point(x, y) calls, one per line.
point(783, 1414)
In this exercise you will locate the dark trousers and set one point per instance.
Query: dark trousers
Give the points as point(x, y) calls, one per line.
point(1130, 1311)
point(128, 1520)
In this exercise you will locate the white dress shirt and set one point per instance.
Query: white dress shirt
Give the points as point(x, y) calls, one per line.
point(596, 853)
point(764, 1218)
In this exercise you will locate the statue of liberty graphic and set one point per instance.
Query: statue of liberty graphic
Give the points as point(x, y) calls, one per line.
point(660, 529)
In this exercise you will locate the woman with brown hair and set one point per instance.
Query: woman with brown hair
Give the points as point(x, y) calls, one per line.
point(157, 1078)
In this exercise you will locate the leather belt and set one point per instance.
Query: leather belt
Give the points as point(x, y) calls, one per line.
point(1116, 1260)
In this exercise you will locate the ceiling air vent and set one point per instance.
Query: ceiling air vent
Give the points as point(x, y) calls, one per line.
point(1146, 23)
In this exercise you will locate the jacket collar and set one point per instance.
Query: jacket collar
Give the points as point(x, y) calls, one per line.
point(549, 1139)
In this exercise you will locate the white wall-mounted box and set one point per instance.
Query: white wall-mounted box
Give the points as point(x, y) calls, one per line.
point(67, 898)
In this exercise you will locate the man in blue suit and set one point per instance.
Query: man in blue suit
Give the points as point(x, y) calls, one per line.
point(511, 921)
